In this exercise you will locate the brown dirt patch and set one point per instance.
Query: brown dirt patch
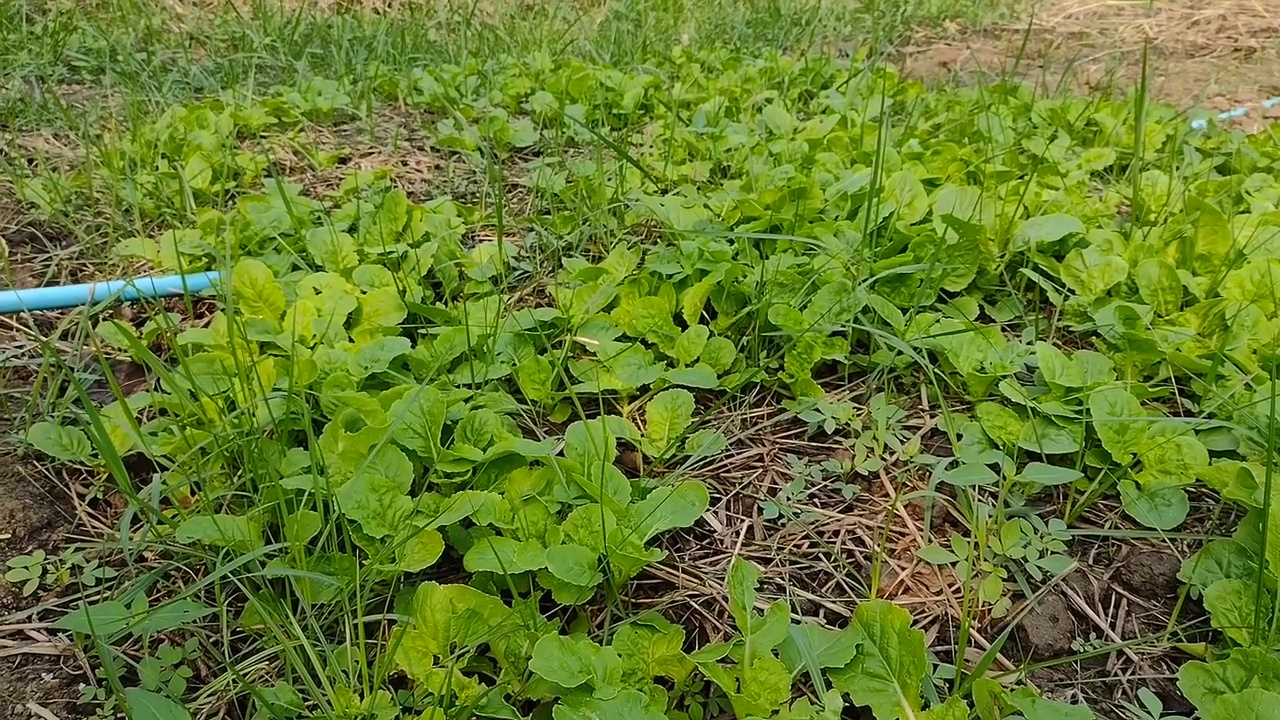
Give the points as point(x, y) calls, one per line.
point(46, 687)
point(320, 158)
point(1216, 55)
point(37, 513)
point(35, 674)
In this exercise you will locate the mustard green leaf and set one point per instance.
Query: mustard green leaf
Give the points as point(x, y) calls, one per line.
point(1091, 273)
point(256, 291)
point(574, 564)
point(667, 416)
point(1046, 437)
point(504, 556)
point(63, 443)
point(1205, 684)
point(221, 530)
point(1159, 285)
point(1233, 609)
point(1252, 704)
point(1160, 507)
point(670, 507)
point(420, 551)
point(888, 670)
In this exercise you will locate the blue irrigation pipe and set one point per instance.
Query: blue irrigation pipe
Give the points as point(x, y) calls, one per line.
point(67, 296)
point(1203, 123)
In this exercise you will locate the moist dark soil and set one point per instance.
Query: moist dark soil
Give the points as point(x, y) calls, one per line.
point(30, 683)
point(33, 516)
point(1123, 592)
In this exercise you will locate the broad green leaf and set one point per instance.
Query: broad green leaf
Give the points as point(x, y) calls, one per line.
point(1256, 281)
point(63, 443)
point(1221, 559)
point(442, 512)
point(651, 647)
point(889, 668)
point(953, 709)
point(741, 584)
point(381, 310)
point(763, 687)
point(536, 378)
point(1171, 455)
point(574, 564)
point(1118, 420)
point(667, 416)
point(811, 647)
point(379, 231)
point(102, 620)
point(626, 705)
point(647, 317)
point(302, 526)
point(1046, 229)
point(1162, 508)
point(1001, 424)
point(570, 661)
point(937, 555)
point(1038, 473)
point(1233, 609)
point(1091, 273)
point(457, 616)
point(375, 354)
point(705, 443)
point(698, 376)
point(1252, 704)
point(1235, 480)
point(180, 613)
point(969, 475)
point(963, 203)
point(669, 507)
point(504, 556)
point(417, 420)
point(1034, 707)
point(591, 444)
point(420, 551)
point(233, 531)
point(256, 291)
point(691, 344)
point(719, 353)
point(377, 495)
point(1159, 285)
point(147, 705)
point(1205, 684)
point(1046, 437)
point(332, 248)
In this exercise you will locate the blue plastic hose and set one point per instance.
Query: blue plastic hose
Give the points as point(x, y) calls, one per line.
point(1203, 123)
point(66, 296)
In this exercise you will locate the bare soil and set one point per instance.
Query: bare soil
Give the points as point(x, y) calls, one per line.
point(1215, 55)
point(36, 673)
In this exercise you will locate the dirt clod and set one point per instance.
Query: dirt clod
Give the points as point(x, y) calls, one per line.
point(1048, 628)
point(1150, 573)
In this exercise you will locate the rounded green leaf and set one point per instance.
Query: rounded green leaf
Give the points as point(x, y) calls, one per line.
point(63, 443)
point(1046, 437)
point(1038, 473)
point(970, 474)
